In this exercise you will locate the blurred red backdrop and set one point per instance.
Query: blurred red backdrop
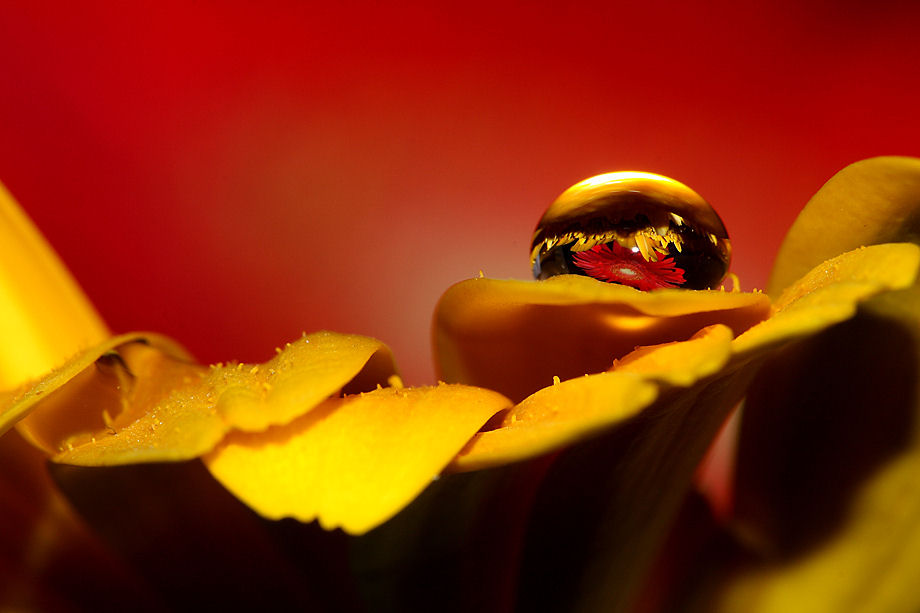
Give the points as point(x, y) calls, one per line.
point(234, 173)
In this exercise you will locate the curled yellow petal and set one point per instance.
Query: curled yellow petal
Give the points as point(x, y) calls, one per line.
point(353, 462)
point(74, 396)
point(606, 502)
point(44, 316)
point(557, 416)
point(304, 373)
point(515, 336)
point(827, 472)
point(681, 363)
point(126, 401)
point(569, 411)
point(870, 202)
point(831, 291)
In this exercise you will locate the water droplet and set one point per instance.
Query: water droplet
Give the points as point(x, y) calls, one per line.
point(633, 228)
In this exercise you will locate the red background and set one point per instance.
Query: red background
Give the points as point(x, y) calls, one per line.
point(234, 173)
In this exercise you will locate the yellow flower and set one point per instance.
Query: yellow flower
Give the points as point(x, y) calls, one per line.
point(514, 336)
point(551, 493)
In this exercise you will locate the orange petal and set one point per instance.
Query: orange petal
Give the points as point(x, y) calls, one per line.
point(515, 336)
point(353, 462)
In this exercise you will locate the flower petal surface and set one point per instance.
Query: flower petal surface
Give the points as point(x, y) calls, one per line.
point(515, 336)
point(827, 499)
point(572, 410)
point(604, 523)
point(830, 293)
point(127, 401)
point(870, 202)
point(568, 411)
point(93, 371)
point(355, 461)
point(44, 316)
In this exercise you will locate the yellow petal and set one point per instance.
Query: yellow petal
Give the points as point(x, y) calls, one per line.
point(126, 401)
point(606, 502)
point(870, 202)
point(59, 396)
point(515, 336)
point(167, 414)
point(557, 416)
point(353, 462)
point(569, 411)
point(44, 317)
point(566, 412)
point(681, 363)
point(830, 292)
point(610, 518)
point(827, 475)
point(302, 375)
point(605, 521)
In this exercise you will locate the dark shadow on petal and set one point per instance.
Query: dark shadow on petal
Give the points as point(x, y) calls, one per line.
point(49, 559)
point(456, 548)
point(821, 418)
point(200, 547)
point(604, 509)
point(678, 568)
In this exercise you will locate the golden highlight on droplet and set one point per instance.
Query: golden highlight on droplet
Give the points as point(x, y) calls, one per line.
point(632, 228)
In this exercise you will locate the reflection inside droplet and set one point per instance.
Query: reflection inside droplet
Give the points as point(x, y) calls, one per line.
point(632, 228)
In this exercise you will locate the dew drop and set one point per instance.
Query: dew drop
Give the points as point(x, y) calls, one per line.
point(632, 228)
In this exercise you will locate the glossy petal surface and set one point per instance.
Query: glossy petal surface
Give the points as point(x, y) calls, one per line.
point(353, 462)
point(870, 202)
point(44, 316)
point(515, 336)
point(128, 402)
point(827, 488)
point(830, 292)
point(569, 411)
point(64, 411)
point(595, 529)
